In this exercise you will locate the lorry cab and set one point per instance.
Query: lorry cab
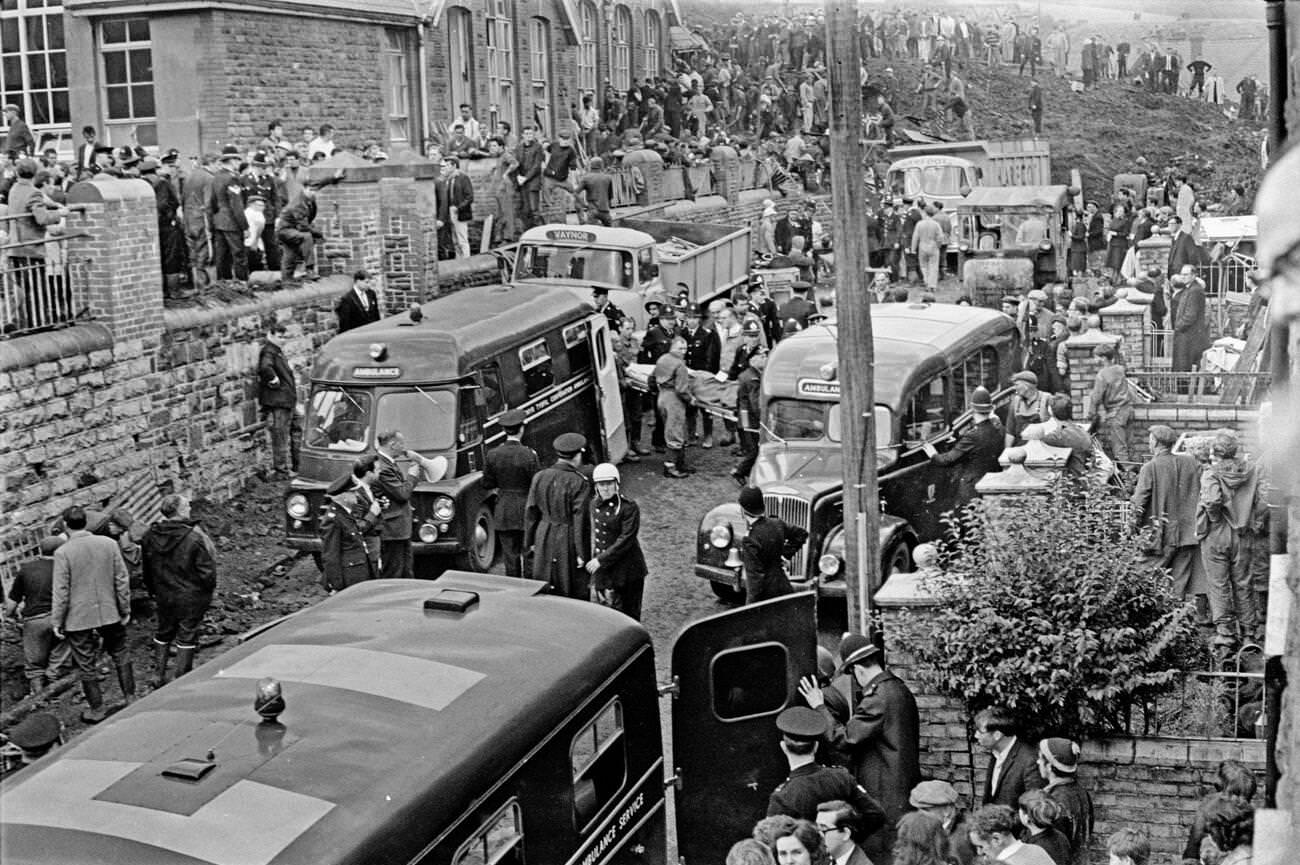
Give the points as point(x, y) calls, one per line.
point(635, 260)
point(1030, 222)
point(419, 723)
point(928, 360)
point(934, 178)
point(444, 380)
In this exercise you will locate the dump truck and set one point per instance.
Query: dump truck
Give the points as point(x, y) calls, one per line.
point(636, 259)
point(947, 171)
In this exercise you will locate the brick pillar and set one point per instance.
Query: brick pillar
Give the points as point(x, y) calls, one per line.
point(1127, 320)
point(726, 173)
point(1084, 364)
point(1153, 252)
point(408, 219)
point(120, 273)
point(348, 212)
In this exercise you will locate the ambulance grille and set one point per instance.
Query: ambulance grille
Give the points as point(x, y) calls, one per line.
point(793, 511)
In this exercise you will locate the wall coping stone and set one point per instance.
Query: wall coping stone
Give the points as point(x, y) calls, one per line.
point(904, 590)
point(189, 318)
point(25, 351)
point(104, 191)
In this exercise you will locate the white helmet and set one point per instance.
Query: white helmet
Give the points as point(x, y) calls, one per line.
point(605, 472)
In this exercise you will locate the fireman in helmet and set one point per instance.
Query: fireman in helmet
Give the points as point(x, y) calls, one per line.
point(617, 565)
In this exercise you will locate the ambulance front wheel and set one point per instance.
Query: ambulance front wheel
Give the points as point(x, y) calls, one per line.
point(483, 544)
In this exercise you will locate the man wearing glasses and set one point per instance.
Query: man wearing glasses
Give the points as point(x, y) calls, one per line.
point(837, 820)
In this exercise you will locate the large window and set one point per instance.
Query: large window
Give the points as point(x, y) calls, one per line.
point(501, 64)
point(590, 24)
point(499, 841)
point(126, 51)
point(979, 369)
point(427, 417)
point(397, 87)
point(539, 66)
point(598, 757)
point(34, 64)
point(653, 39)
point(460, 52)
point(620, 49)
point(926, 415)
point(749, 681)
point(338, 419)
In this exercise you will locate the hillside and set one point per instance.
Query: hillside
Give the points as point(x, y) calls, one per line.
point(1103, 132)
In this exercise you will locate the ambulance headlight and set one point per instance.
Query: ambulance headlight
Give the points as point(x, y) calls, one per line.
point(444, 509)
point(428, 533)
point(720, 536)
point(296, 506)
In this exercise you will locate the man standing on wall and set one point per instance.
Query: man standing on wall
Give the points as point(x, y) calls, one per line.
point(196, 190)
point(277, 394)
point(226, 212)
point(528, 174)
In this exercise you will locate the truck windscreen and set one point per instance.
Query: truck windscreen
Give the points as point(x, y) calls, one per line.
point(547, 261)
point(930, 180)
point(340, 418)
point(794, 419)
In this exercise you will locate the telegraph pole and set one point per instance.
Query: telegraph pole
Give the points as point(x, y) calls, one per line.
point(853, 314)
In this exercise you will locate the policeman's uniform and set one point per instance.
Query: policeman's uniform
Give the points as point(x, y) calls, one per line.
point(509, 469)
point(809, 785)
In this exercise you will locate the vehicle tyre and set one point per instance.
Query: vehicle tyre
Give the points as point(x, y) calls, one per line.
point(727, 594)
point(483, 544)
point(897, 560)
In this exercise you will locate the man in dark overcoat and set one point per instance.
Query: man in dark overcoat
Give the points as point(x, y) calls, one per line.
point(617, 564)
point(883, 735)
point(1168, 488)
point(277, 394)
point(765, 548)
point(393, 488)
point(556, 521)
point(359, 306)
point(1187, 315)
point(509, 469)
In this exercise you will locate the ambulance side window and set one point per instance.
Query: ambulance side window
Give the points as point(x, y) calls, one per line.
point(598, 757)
point(578, 347)
point(978, 369)
point(499, 841)
point(535, 361)
point(749, 682)
point(926, 415)
point(493, 398)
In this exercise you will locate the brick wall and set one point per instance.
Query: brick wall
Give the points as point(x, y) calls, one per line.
point(1148, 782)
point(304, 71)
point(1188, 417)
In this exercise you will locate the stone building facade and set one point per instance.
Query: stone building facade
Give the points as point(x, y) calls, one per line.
point(197, 75)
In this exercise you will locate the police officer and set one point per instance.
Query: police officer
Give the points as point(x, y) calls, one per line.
point(977, 449)
point(749, 388)
point(617, 565)
point(765, 548)
point(509, 469)
point(751, 334)
point(809, 783)
point(556, 526)
point(798, 307)
point(600, 297)
point(765, 308)
point(703, 354)
point(35, 736)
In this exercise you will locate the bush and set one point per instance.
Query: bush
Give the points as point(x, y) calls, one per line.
point(1046, 607)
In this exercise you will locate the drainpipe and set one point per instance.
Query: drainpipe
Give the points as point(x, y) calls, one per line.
point(1275, 20)
point(422, 57)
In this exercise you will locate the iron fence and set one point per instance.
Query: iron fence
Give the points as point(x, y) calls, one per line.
point(40, 292)
point(1201, 386)
point(1227, 703)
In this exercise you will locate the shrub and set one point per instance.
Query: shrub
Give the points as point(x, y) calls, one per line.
point(1046, 607)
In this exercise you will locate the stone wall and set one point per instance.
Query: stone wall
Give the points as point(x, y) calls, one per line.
point(1153, 783)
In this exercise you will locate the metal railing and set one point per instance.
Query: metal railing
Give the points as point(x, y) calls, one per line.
point(1198, 386)
point(1209, 704)
point(40, 292)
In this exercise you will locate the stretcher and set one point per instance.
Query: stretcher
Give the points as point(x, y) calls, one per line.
point(717, 398)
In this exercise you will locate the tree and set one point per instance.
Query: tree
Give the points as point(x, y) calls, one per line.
point(1044, 606)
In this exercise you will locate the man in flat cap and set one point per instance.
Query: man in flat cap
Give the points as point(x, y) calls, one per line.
point(556, 521)
point(883, 735)
point(939, 800)
point(509, 469)
point(809, 783)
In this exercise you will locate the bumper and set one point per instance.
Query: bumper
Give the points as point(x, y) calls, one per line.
point(726, 576)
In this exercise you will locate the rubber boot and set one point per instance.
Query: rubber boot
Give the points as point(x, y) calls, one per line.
point(184, 660)
point(160, 653)
point(681, 462)
point(126, 678)
point(95, 700)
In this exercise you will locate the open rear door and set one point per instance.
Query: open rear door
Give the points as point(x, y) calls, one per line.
point(735, 672)
point(613, 427)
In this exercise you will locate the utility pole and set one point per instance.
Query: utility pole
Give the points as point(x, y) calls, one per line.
point(856, 355)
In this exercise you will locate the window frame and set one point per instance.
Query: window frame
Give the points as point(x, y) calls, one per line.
point(485, 829)
point(620, 49)
point(397, 85)
point(752, 647)
point(23, 91)
point(539, 61)
point(137, 123)
point(460, 47)
point(601, 749)
point(500, 42)
point(588, 33)
point(944, 380)
point(652, 43)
